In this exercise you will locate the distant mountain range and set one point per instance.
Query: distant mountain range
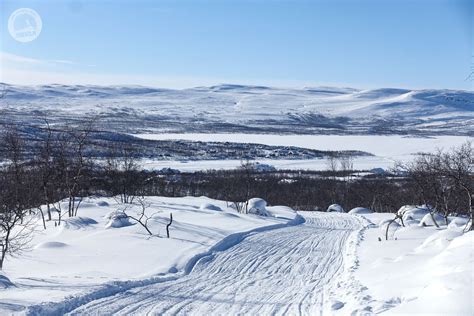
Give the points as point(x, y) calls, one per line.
point(240, 108)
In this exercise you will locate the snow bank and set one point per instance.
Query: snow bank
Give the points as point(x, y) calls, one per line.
point(440, 239)
point(258, 206)
point(102, 204)
point(283, 212)
point(448, 286)
point(117, 219)
point(411, 212)
point(423, 271)
point(427, 220)
point(360, 210)
point(107, 253)
point(5, 282)
point(457, 222)
point(209, 207)
point(78, 222)
point(335, 208)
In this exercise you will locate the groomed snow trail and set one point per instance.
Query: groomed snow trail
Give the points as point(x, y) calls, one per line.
point(281, 271)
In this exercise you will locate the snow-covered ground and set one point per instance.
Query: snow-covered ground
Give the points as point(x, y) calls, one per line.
point(82, 253)
point(292, 270)
point(218, 261)
point(419, 270)
point(234, 108)
point(386, 149)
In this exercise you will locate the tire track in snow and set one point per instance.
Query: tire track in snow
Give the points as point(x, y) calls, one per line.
point(276, 272)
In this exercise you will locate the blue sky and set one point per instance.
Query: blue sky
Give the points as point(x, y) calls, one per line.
point(364, 44)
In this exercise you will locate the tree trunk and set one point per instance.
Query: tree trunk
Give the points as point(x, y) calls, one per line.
point(168, 226)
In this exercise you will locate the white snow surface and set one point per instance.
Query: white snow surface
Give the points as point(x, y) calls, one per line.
point(418, 271)
point(226, 263)
point(330, 109)
point(296, 269)
point(432, 220)
point(82, 254)
point(360, 210)
point(386, 149)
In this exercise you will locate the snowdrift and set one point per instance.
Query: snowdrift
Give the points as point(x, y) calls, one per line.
point(411, 212)
point(209, 207)
point(5, 282)
point(258, 206)
point(440, 240)
point(360, 210)
point(335, 208)
point(117, 219)
point(458, 222)
point(51, 244)
point(427, 220)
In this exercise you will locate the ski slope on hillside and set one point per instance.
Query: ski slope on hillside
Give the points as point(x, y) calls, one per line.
point(291, 270)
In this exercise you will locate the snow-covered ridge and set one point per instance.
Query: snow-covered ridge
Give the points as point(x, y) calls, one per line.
point(230, 108)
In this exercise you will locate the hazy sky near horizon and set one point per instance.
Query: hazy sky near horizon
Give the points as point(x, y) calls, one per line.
point(363, 44)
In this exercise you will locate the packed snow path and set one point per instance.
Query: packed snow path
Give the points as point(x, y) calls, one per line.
point(281, 271)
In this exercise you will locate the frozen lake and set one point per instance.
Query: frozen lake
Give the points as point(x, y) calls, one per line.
point(387, 149)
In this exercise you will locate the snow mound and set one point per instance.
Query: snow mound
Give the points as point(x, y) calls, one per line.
point(258, 206)
point(411, 212)
point(79, 223)
point(117, 219)
point(209, 207)
point(102, 204)
point(280, 211)
point(427, 220)
point(5, 282)
point(440, 240)
point(449, 291)
point(458, 222)
point(360, 210)
point(50, 244)
point(335, 208)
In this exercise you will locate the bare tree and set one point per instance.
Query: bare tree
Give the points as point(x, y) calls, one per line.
point(458, 165)
point(73, 162)
point(44, 162)
point(122, 172)
point(142, 217)
point(15, 198)
point(444, 180)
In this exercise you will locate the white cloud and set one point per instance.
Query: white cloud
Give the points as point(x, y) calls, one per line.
point(7, 59)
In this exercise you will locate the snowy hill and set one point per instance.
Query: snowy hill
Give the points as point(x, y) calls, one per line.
point(232, 108)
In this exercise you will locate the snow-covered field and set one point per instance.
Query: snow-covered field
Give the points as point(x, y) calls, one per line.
point(387, 149)
point(218, 261)
point(419, 270)
point(82, 253)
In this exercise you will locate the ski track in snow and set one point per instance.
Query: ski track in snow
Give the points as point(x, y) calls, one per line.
point(275, 272)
